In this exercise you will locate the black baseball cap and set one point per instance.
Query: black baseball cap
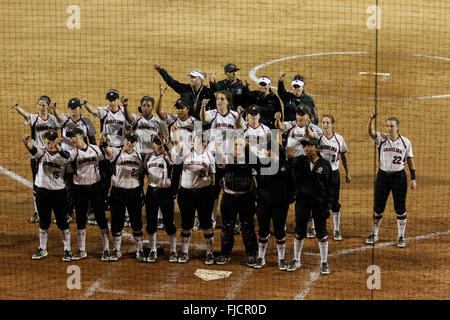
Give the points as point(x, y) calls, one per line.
point(51, 135)
point(311, 141)
point(253, 109)
point(180, 104)
point(303, 109)
point(147, 98)
point(132, 136)
point(230, 68)
point(74, 103)
point(112, 95)
point(74, 132)
point(157, 139)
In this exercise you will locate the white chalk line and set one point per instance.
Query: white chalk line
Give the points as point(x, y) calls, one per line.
point(252, 73)
point(97, 285)
point(314, 275)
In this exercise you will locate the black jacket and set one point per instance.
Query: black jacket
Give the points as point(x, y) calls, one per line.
point(291, 101)
point(313, 184)
point(187, 93)
point(268, 105)
point(236, 90)
point(239, 176)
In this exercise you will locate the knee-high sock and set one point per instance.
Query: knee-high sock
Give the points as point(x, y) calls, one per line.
point(336, 220)
point(152, 241)
point(81, 239)
point(105, 239)
point(401, 224)
point(66, 239)
point(262, 247)
point(281, 248)
point(43, 236)
point(185, 238)
point(376, 223)
point(173, 242)
point(138, 243)
point(209, 240)
point(298, 246)
point(323, 248)
point(117, 240)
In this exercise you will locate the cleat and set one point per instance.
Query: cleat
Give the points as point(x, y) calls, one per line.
point(39, 254)
point(237, 229)
point(91, 219)
point(67, 256)
point(105, 255)
point(372, 238)
point(401, 243)
point(223, 260)
point(115, 255)
point(251, 261)
point(295, 264)
point(79, 255)
point(196, 223)
point(282, 265)
point(209, 258)
point(34, 218)
point(324, 268)
point(183, 258)
point(160, 224)
point(337, 235)
point(152, 256)
point(140, 256)
point(259, 263)
point(311, 233)
point(173, 257)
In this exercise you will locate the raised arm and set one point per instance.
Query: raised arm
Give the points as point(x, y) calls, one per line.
point(161, 114)
point(89, 108)
point(174, 84)
point(104, 145)
point(412, 170)
point(128, 116)
point(203, 115)
point(23, 113)
point(281, 89)
point(27, 142)
point(54, 110)
point(238, 122)
point(372, 116)
point(278, 123)
point(348, 178)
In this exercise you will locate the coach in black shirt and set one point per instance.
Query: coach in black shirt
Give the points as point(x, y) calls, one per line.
point(192, 93)
point(230, 83)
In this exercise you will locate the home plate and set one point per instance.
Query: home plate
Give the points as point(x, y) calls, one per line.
point(209, 275)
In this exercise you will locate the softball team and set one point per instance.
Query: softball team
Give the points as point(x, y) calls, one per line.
point(190, 161)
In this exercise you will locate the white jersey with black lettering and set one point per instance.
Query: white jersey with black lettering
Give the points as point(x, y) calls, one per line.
point(39, 126)
point(113, 123)
point(257, 138)
point(158, 168)
point(197, 170)
point(331, 148)
point(127, 167)
point(220, 126)
point(186, 128)
point(146, 130)
point(393, 153)
point(297, 134)
point(86, 165)
point(51, 168)
point(67, 125)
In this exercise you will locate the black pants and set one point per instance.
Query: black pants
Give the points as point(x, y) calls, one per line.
point(48, 200)
point(277, 212)
point(85, 195)
point(335, 187)
point(230, 207)
point(190, 200)
point(70, 189)
point(160, 198)
point(303, 208)
point(33, 165)
point(121, 199)
point(384, 184)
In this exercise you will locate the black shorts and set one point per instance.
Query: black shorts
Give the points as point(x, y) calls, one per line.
point(384, 184)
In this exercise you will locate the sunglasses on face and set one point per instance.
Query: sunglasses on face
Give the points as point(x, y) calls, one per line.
point(262, 84)
point(296, 86)
point(254, 114)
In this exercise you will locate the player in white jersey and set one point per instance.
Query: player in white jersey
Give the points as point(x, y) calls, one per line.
point(332, 146)
point(158, 167)
point(256, 134)
point(50, 193)
point(222, 122)
point(394, 150)
point(39, 124)
point(86, 159)
point(298, 130)
point(196, 193)
point(68, 122)
point(113, 122)
point(125, 192)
